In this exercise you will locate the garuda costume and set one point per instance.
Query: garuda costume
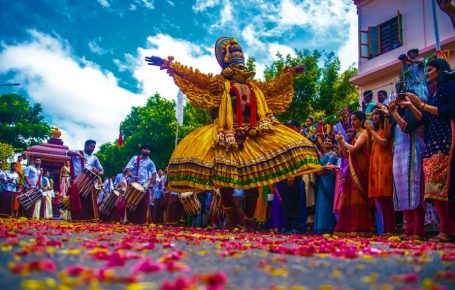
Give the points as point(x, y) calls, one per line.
point(245, 147)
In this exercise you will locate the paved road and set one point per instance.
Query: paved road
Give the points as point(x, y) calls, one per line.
point(60, 255)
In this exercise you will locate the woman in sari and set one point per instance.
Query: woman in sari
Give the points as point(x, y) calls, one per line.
point(408, 135)
point(380, 186)
point(310, 130)
point(355, 218)
point(325, 220)
point(438, 162)
point(341, 171)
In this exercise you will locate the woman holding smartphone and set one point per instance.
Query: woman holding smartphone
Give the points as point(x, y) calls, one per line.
point(438, 114)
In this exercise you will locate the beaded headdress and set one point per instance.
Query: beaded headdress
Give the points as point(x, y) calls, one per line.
point(228, 52)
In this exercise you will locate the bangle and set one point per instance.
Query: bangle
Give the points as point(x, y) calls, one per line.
point(386, 117)
point(423, 106)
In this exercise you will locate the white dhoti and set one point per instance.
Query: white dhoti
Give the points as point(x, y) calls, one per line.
point(48, 202)
point(37, 210)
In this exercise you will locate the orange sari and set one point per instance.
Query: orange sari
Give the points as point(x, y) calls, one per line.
point(380, 177)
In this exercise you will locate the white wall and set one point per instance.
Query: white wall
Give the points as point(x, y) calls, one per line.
point(417, 26)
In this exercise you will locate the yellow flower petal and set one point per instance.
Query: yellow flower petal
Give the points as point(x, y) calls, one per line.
point(337, 273)
point(33, 285)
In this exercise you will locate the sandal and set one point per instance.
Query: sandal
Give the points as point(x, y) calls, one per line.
point(405, 237)
point(417, 237)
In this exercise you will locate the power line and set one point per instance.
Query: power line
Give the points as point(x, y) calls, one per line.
point(13, 84)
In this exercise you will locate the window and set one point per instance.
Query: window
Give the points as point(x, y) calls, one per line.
point(363, 44)
point(381, 39)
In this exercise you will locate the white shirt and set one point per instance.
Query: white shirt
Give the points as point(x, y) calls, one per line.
point(90, 161)
point(12, 181)
point(108, 186)
point(119, 178)
point(33, 173)
point(146, 170)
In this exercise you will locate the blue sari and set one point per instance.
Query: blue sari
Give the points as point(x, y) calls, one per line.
point(325, 219)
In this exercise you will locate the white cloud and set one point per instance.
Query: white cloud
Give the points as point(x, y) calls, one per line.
point(154, 80)
point(126, 65)
point(149, 4)
point(104, 3)
point(225, 16)
point(202, 5)
point(96, 48)
point(283, 49)
point(226, 12)
point(349, 52)
point(249, 35)
point(317, 15)
point(80, 98)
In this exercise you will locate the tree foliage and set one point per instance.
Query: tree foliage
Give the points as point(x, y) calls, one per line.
point(21, 124)
point(6, 152)
point(251, 64)
point(152, 124)
point(321, 90)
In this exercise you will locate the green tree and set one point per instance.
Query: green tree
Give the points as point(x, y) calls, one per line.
point(346, 93)
point(324, 101)
point(21, 124)
point(6, 152)
point(152, 124)
point(251, 64)
point(321, 90)
point(305, 85)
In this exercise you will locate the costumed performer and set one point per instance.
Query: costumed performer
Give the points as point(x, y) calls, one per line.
point(246, 147)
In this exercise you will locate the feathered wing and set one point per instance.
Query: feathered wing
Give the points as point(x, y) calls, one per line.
point(203, 90)
point(279, 92)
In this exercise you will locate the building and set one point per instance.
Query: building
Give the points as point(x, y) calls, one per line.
point(388, 28)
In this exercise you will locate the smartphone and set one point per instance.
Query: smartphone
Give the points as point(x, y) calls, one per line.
point(401, 96)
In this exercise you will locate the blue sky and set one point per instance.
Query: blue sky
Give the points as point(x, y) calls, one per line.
point(84, 60)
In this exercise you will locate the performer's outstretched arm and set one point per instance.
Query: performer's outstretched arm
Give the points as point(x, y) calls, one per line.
point(203, 90)
point(280, 91)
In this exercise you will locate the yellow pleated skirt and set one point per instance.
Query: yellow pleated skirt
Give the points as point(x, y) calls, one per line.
point(265, 159)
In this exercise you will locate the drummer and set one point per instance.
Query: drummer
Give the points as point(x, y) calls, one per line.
point(7, 196)
point(84, 208)
point(32, 178)
point(120, 180)
point(142, 170)
point(156, 197)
